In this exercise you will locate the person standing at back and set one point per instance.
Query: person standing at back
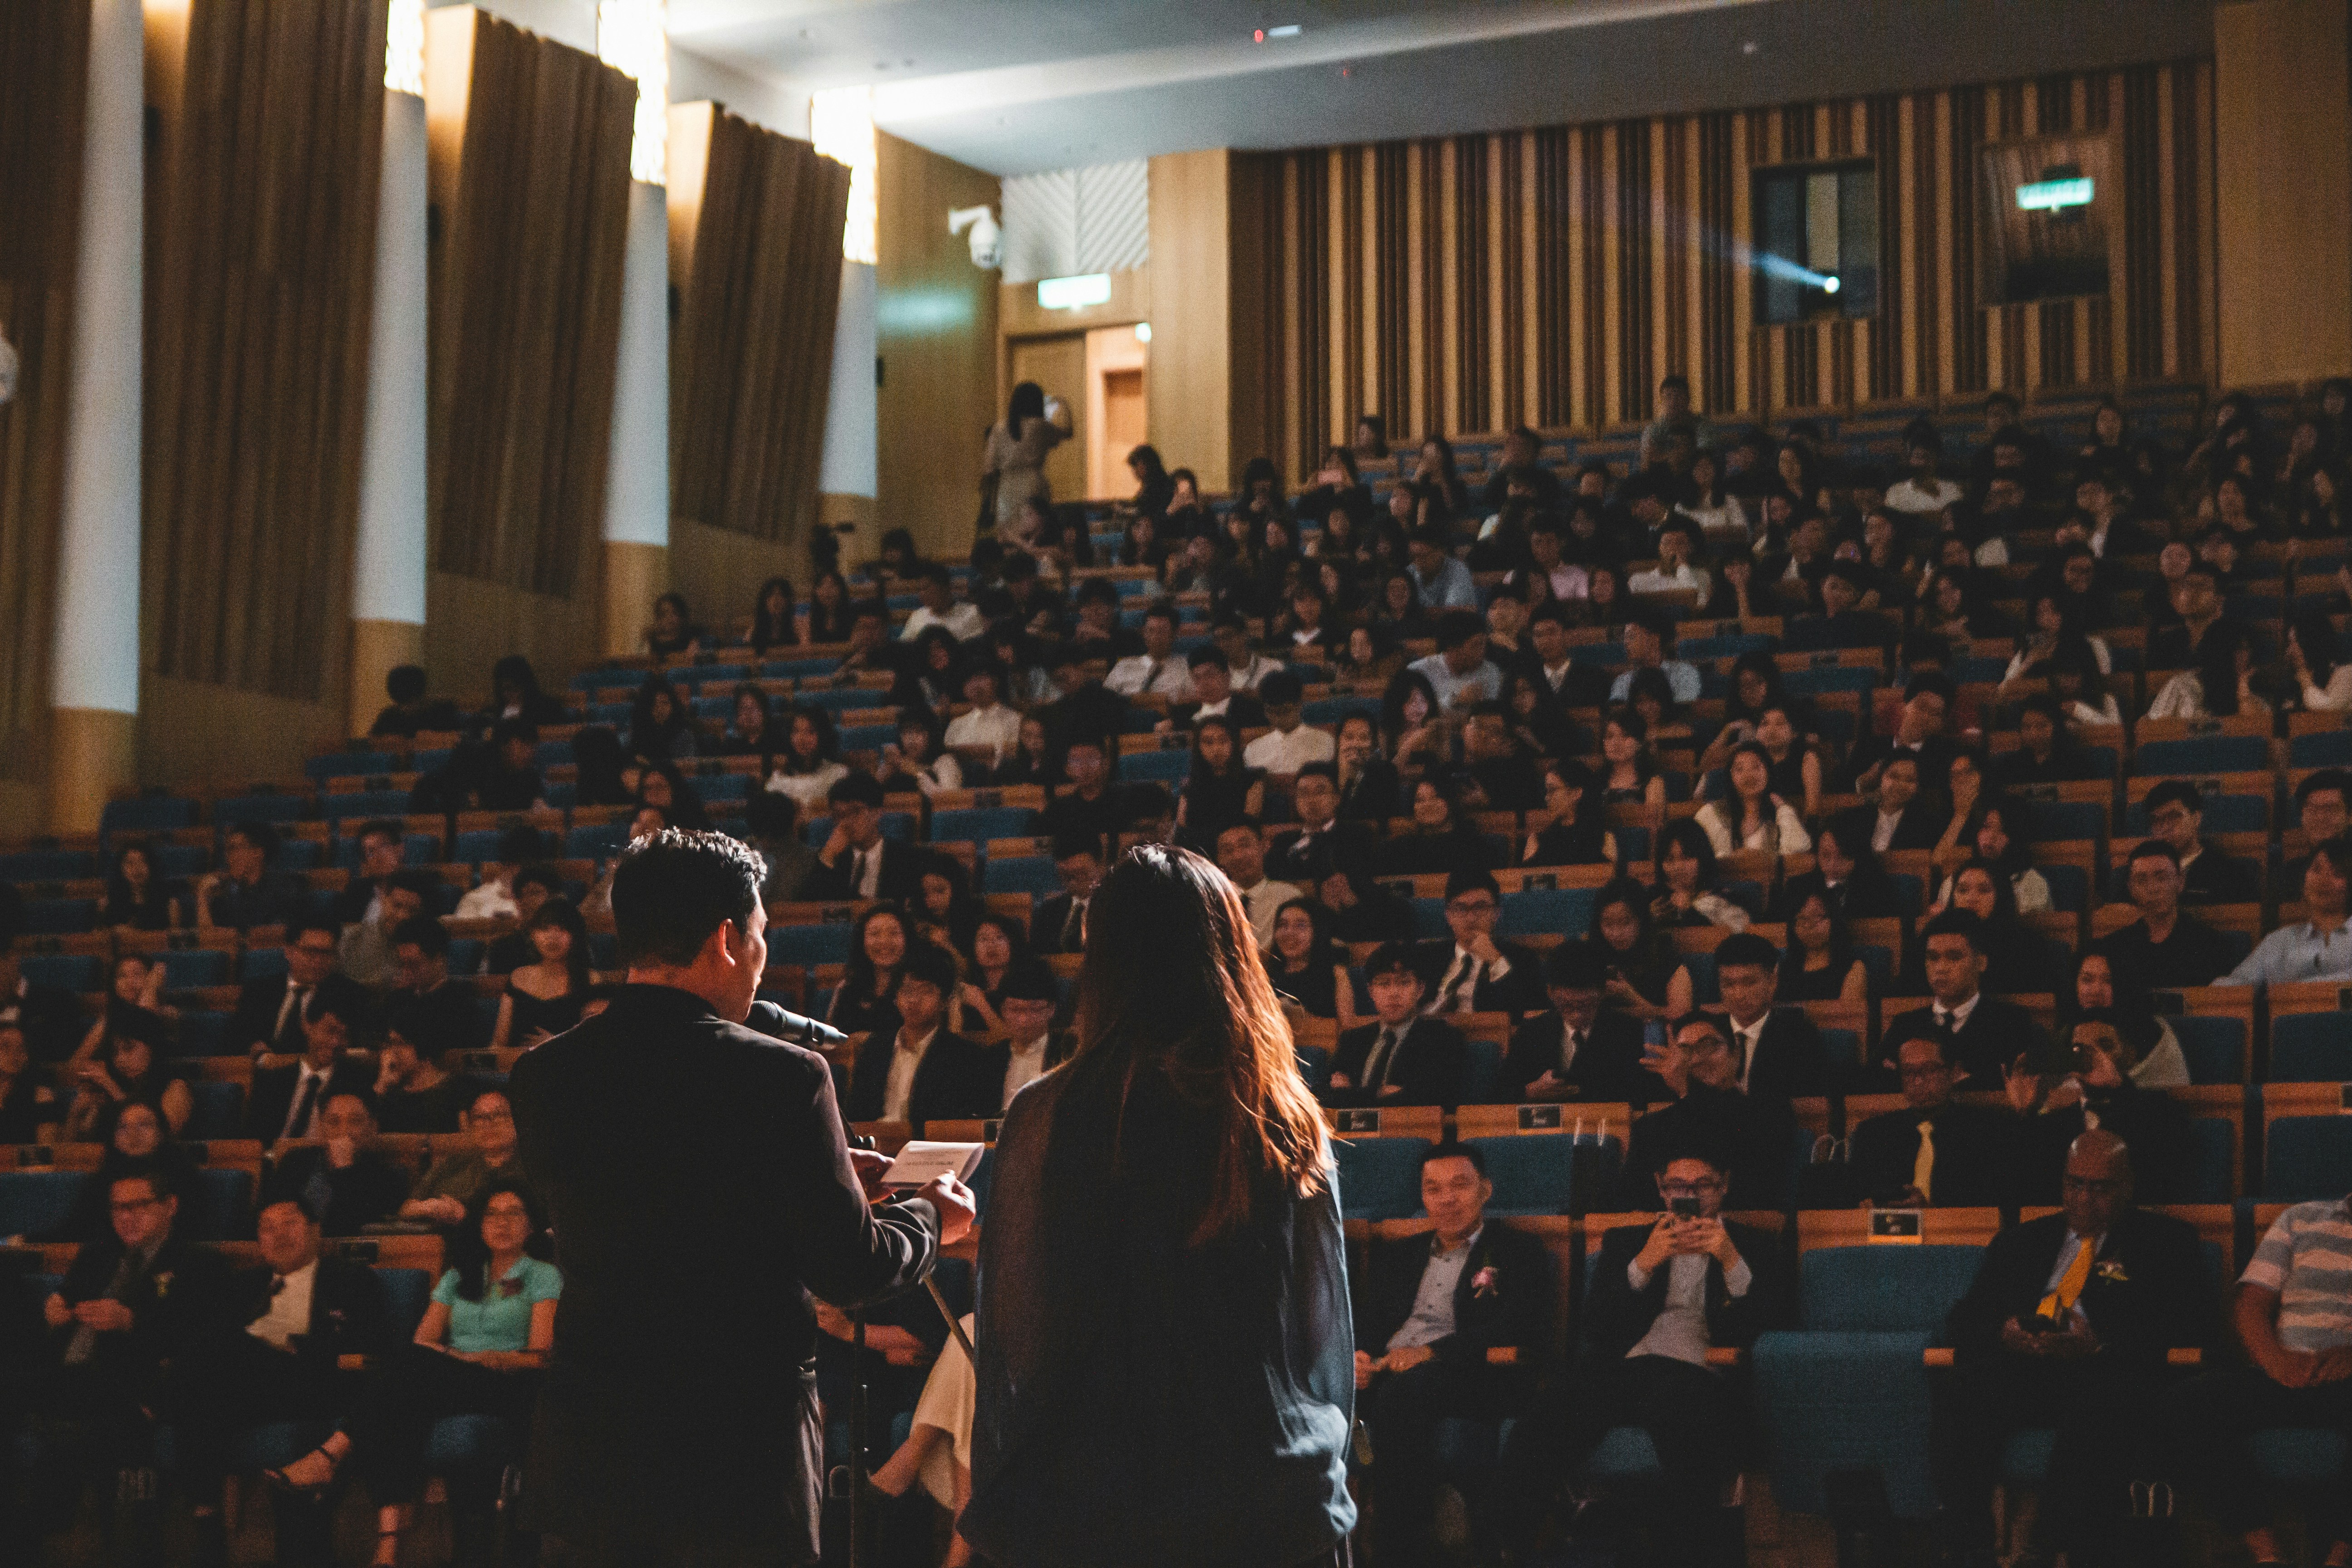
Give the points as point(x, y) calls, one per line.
point(1017, 449)
point(681, 1428)
point(1167, 1366)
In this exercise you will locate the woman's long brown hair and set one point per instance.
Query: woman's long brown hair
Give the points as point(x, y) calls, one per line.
point(1173, 983)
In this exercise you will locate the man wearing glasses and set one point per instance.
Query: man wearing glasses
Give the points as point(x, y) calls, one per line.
point(134, 1302)
point(1664, 1295)
point(269, 1019)
point(2175, 813)
point(2066, 1326)
point(1474, 972)
point(1749, 1135)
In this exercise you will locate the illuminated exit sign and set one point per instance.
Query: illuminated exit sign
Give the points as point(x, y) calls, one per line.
point(1074, 293)
point(2054, 196)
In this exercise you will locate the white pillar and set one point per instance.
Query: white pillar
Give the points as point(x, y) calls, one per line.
point(388, 563)
point(636, 489)
point(94, 675)
point(851, 415)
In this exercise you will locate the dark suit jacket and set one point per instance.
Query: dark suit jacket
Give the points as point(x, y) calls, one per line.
point(1373, 798)
point(955, 1081)
point(1616, 1316)
point(1045, 923)
point(175, 1305)
point(1243, 709)
point(1608, 1064)
point(1920, 826)
point(348, 1314)
point(901, 876)
point(370, 1189)
point(1514, 1309)
point(1520, 991)
point(1756, 1137)
point(646, 1434)
point(1971, 1143)
point(2194, 954)
point(1996, 1035)
point(254, 1022)
point(271, 1099)
point(1432, 1064)
point(1790, 1059)
point(2159, 1294)
point(1294, 857)
point(2151, 1122)
point(446, 1018)
point(2214, 877)
point(1854, 899)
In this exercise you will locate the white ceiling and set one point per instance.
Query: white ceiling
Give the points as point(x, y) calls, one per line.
point(1016, 86)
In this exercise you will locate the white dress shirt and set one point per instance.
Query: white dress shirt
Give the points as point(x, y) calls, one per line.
point(1140, 675)
point(289, 1306)
point(1026, 1065)
point(906, 1060)
point(1467, 973)
point(963, 622)
point(996, 726)
point(1286, 752)
point(1679, 1331)
point(1958, 1017)
point(1264, 902)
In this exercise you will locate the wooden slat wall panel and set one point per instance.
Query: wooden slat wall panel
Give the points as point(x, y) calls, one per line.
point(532, 184)
point(43, 72)
point(758, 272)
point(260, 276)
point(1554, 274)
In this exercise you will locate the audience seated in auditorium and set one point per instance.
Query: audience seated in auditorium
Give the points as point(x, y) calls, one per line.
point(127, 1068)
point(246, 892)
point(921, 1071)
point(1649, 645)
point(2086, 1082)
point(2166, 946)
point(136, 898)
point(344, 1179)
point(1095, 808)
point(1240, 856)
point(1403, 1058)
point(1471, 971)
point(857, 861)
point(1686, 879)
point(382, 852)
point(287, 1102)
point(1032, 1047)
point(1697, 1074)
point(1647, 978)
point(365, 952)
point(1578, 1048)
point(1303, 855)
point(411, 710)
point(268, 1016)
point(493, 897)
point(1307, 967)
point(1934, 1150)
point(544, 998)
point(532, 886)
point(2317, 947)
point(1779, 1052)
point(2175, 813)
point(1984, 1030)
point(1449, 1325)
point(1441, 841)
point(2065, 1327)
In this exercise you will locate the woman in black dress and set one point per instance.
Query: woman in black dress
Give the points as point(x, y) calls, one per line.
point(1574, 836)
point(1307, 967)
point(136, 898)
point(1440, 841)
point(833, 609)
point(1647, 978)
point(547, 997)
point(862, 1003)
point(1819, 965)
point(1220, 791)
point(1167, 1187)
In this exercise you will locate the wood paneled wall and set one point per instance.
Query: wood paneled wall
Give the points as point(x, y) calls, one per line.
point(1551, 276)
point(936, 331)
point(529, 181)
point(43, 76)
point(755, 222)
point(261, 260)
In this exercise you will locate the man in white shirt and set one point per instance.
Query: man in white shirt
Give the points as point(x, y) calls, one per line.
point(494, 899)
point(942, 608)
point(1240, 856)
point(1441, 580)
point(1648, 639)
point(1032, 1048)
point(1158, 669)
point(988, 723)
point(1674, 573)
point(1289, 745)
point(1247, 667)
point(1920, 493)
point(1459, 671)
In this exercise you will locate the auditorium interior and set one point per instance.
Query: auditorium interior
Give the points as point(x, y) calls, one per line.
point(1773, 569)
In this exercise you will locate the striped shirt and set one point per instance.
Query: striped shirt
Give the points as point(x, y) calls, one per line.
point(2307, 1259)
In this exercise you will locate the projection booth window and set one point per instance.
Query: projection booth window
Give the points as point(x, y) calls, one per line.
point(1816, 246)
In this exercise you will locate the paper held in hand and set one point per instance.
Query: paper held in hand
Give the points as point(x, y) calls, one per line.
point(919, 1162)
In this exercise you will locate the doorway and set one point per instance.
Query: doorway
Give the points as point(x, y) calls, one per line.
point(1117, 416)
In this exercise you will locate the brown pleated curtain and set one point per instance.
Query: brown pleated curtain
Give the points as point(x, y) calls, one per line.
point(2020, 244)
point(261, 262)
point(44, 67)
point(532, 183)
point(755, 257)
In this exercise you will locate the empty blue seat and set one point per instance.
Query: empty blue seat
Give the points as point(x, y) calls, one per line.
point(218, 1110)
point(1380, 1178)
point(2203, 754)
point(1429, 918)
point(194, 968)
point(1167, 767)
point(2070, 886)
point(147, 814)
point(810, 945)
point(2328, 749)
point(2298, 1455)
point(352, 764)
point(260, 963)
point(37, 1204)
point(595, 840)
point(2211, 1170)
point(1032, 874)
point(218, 1205)
point(715, 787)
point(363, 803)
point(59, 917)
point(2215, 1047)
point(2310, 1048)
point(979, 824)
point(476, 846)
point(272, 807)
point(1532, 1172)
point(2306, 1157)
point(203, 1033)
point(69, 971)
point(179, 861)
point(1547, 911)
point(1483, 1073)
point(1883, 1288)
point(1836, 678)
point(1842, 1400)
point(48, 865)
point(869, 737)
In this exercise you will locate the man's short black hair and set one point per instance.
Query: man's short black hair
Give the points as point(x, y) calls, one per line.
point(341, 997)
point(2336, 779)
point(1550, 610)
point(1097, 590)
point(547, 877)
point(1453, 1149)
point(855, 789)
point(1390, 958)
point(1436, 536)
point(2154, 850)
point(1653, 622)
point(930, 963)
point(1205, 656)
point(406, 683)
point(1746, 947)
point(1931, 681)
point(1575, 966)
point(1707, 1021)
point(1672, 380)
point(1316, 770)
point(427, 885)
point(936, 571)
point(674, 888)
point(1067, 845)
point(260, 835)
point(1029, 983)
point(1455, 627)
point(1956, 922)
point(302, 924)
point(1161, 610)
point(1472, 879)
point(2172, 790)
point(521, 844)
point(1283, 688)
point(428, 935)
point(381, 828)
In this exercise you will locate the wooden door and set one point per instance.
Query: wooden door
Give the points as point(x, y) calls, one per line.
point(1059, 365)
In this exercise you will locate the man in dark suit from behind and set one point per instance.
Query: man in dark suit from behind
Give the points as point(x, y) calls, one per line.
point(921, 1071)
point(1753, 1137)
point(1661, 1296)
point(1987, 1033)
point(268, 1016)
point(1934, 1151)
point(2066, 1326)
point(290, 1101)
point(286, 1322)
point(1450, 1323)
point(1579, 1049)
point(1780, 1052)
point(1471, 971)
point(1059, 924)
point(653, 1447)
point(857, 862)
point(1402, 1057)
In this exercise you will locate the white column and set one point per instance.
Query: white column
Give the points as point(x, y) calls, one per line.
point(850, 413)
point(388, 575)
point(636, 496)
point(97, 642)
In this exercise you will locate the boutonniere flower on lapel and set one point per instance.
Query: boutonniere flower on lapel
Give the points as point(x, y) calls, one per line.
point(163, 1284)
point(2113, 1272)
point(1483, 1282)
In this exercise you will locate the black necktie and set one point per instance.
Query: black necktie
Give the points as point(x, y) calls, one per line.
point(289, 1041)
point(1376, 1069)
point(297, 1124)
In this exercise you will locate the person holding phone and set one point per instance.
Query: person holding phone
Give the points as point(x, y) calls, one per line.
point(1663, 1296)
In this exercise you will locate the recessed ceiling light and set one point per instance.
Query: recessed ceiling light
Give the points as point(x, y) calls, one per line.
point(1750, 47)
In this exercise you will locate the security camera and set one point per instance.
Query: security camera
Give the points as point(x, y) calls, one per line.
point(987, 239)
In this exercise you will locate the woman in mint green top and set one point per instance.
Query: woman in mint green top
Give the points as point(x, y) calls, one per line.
point(477, 1351)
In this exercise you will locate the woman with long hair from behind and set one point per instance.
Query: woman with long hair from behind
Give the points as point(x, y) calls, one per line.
point(1167, 1366)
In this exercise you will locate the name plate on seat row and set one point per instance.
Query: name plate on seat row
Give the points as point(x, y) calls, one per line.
point(1538, 1117)
point(1899, 1226)
point(1357, 1121)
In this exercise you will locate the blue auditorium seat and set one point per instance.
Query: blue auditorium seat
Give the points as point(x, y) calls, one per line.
point(2306, 1157)
point(1167, 767)
point(203, 1033)
point(1537, 912)
point(218, 1205)
point(147, 814)
point(2310, 1048)
point(1532, 1172)
point(37, 1204)
point(48, 865)
point(59, 917)
point(1380, 1178)
point(348, 764)
point(1833, 1400)
point(979, 823)
point(810, 945)
point(218, 1110)
point(1032, 874)
point(193, 969)
point(2203, 754)
point(72, 971)
point(595, 840)
point(2215, 1047)
point(1877, 1290)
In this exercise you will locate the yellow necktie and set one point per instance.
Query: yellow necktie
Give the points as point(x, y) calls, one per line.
point(2070, 1286)
point(1923, 1165)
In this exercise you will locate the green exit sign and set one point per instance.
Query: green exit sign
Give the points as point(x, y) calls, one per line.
point(2052, 195)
